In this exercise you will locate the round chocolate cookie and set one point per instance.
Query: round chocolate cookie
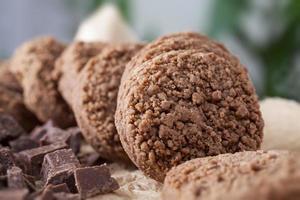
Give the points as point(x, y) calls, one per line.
point(186, 104)
point(33, 65)
point(181, 41)
point(11, 98)
point(70, 64)
point(272, 175)
point(95, 99)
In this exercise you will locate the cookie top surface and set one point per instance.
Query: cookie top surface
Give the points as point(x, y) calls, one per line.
point(70, 64)
point(33, 65)
point(245, 175)
point(96, 99)
point(77, 54)
point(186, 104)
point(181, 41)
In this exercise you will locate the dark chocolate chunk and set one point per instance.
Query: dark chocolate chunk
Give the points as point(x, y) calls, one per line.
point(40, 131)
point(13, 194)
point(58, 167)
point(91, 159)
point(74, 140)
point(72, 137)
point(91, 181)
point(6, 160)
point(9, 129)
point(52, 135)
point(23, 143)
point(15, 179)
point(33, 158)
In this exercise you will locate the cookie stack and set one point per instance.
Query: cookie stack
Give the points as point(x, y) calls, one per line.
point(182, 109)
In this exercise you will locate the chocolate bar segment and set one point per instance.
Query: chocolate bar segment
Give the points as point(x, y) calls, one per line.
point(58, 167)
point(15, 178)
point(91, 181)
point(33, 158)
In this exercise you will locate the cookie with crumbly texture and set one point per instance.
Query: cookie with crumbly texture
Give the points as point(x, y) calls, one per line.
point(261, 175)
point(71, 63)
point(95, 99)
point(185, 104)
point(33, 65)
point(181, 41)
point(11, 98)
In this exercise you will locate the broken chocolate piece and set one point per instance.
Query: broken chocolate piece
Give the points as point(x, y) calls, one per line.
point(15, 179)
point(33, 158)
point(40, 131)
point(13, 194)
point(72, 137)
point(91, 159)
point(91, 181)
point(23, 143)
point(74, 140)
point(9, 129)
point(58, 167)
point(52, 135)
point(6, 160)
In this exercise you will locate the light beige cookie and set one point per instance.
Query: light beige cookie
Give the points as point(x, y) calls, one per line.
point(95, 99)
point(71, 63)
point(11, 98)
point(33, 65)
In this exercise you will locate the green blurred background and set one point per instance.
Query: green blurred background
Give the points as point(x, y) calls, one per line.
point(264, 34)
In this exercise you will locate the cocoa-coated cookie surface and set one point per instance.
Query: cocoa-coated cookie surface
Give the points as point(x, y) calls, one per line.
point(181, 41)
point(11, 98)
point(70, 64)
point(272, 175)
point(96, 98)
point(185, 104)
point(33, 65)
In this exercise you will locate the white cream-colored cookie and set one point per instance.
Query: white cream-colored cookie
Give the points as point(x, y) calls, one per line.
point(106, 25)
point(282, 124)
